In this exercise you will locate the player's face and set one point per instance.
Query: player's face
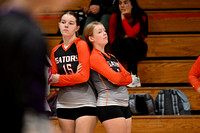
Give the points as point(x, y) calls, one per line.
point(100, 36)
point(68, 25)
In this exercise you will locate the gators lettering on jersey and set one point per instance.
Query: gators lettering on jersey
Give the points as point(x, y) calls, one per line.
point(66, 61)
point(75, 91)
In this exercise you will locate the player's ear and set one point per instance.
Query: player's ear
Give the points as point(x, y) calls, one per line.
point(77, 28)
point(91, 38)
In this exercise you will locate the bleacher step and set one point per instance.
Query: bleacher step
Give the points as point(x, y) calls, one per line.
point(164, 71)
point(154, 124)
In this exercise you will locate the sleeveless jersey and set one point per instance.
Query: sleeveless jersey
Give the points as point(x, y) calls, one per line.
point(74, 91)
point(109, 78)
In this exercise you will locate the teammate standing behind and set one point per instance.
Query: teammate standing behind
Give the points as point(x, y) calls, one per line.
point(100, 10)
point(76, 105)
point(109, 78)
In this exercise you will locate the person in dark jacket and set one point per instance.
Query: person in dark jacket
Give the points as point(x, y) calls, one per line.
point(100, 10)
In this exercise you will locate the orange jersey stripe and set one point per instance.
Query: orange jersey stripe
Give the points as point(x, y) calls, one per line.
point(105, 88)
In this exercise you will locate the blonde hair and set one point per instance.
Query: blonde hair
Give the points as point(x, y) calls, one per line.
point(88, 31)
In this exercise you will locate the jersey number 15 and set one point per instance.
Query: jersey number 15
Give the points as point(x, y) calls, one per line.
point(68, 68)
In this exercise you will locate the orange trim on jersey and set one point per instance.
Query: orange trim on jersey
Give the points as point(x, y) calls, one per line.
point(75, 41)
point(105, 87)
point(83, 58)
point(99, 64)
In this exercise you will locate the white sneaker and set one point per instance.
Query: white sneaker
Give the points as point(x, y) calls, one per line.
point(135, 81)
point(138, 84)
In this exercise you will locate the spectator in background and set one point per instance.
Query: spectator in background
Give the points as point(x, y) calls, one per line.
point(194, 75)
point(109, 78)
point(100, 10)
point(76, 104)
point(23, 56)
point(127, 31)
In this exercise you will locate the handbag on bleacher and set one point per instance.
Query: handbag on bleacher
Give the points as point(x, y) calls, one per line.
point(141, 104)
point(172, 102)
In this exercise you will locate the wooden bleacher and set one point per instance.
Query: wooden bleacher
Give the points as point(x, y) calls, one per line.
point(48, 22)
point(174, 21)
point(75, 4)
point(52, 41)
point(164, 71)
point(178, 45)
point(168, 4)
point(173, 46)
point(159, 21)
point(154, 124)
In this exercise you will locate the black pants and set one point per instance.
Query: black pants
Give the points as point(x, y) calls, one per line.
point(130, 50)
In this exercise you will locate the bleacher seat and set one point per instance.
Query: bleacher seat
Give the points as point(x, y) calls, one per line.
point(173, 45)
point(168, 4)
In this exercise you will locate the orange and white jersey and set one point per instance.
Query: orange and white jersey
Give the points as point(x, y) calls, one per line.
point(110, 79)
point(75, 90)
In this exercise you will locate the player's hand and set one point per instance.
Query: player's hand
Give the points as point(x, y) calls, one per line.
point(79, 67)
point(55, 78)
point(198, 90)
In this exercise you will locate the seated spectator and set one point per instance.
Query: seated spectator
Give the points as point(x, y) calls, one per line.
point(127, 31)
point(194, 75)
point(100, 10)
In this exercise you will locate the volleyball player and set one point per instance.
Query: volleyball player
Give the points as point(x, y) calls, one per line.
point(110, 80)
point(76, 105)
